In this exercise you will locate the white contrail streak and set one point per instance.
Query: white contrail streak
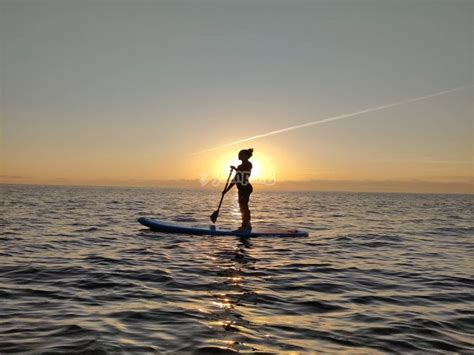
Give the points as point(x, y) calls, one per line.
point(334, 118)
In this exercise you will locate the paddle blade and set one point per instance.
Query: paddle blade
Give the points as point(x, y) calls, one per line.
point(214, 216)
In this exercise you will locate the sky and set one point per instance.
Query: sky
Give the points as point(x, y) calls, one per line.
point(148, 92)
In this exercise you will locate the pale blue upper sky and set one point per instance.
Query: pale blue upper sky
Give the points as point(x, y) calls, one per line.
point(107, 89)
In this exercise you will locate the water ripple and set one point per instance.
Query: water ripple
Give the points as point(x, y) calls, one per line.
point(378, 273)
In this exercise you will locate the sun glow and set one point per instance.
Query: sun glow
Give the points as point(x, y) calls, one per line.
point(262, 167)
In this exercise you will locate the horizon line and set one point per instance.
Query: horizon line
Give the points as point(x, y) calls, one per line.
point(361, 186)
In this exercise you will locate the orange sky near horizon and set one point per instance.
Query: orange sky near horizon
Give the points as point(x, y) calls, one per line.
point(86, 100)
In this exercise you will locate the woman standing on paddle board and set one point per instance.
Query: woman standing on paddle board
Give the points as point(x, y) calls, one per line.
point(241, 179)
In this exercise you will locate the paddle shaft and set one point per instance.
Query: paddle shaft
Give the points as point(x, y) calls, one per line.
point(225, 187)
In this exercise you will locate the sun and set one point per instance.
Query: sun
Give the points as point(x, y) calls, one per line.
point(256, 169)
point(262, 167)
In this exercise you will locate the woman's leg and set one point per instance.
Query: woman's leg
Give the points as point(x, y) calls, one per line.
point(244, 198)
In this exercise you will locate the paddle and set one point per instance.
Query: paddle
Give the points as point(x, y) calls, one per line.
point(215, 214)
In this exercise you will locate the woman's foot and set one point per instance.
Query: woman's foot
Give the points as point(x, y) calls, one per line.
point(247, 228)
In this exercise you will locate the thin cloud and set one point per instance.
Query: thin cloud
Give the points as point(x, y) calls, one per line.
point(423, 161)
point(334, 118)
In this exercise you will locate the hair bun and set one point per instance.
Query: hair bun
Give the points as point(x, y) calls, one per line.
point(246, 152)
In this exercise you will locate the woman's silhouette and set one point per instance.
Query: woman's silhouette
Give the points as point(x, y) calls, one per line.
point(241, 179)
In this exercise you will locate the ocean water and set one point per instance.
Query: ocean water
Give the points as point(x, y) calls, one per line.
point(378, 273)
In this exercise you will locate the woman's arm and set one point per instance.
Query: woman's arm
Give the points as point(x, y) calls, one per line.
point(231, 185)
point(234, 180)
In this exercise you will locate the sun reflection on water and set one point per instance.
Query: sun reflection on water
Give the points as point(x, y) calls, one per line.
point(227, 309)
